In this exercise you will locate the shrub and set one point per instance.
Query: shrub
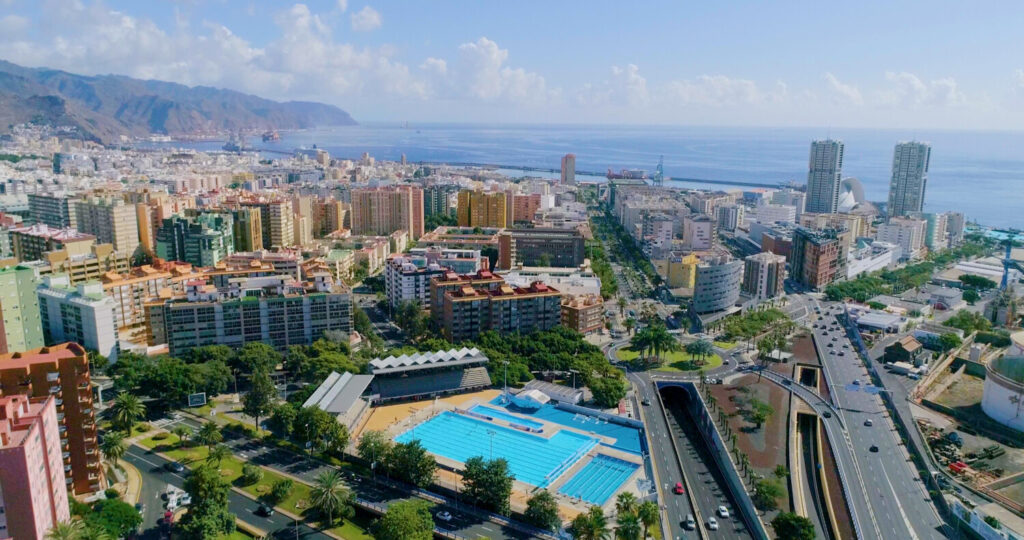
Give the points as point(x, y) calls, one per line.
point(160, 436)
point(279, 491)
point(143, 427)
point(251, 474)
point(111, 493)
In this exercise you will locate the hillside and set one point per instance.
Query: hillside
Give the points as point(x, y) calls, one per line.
point(106, 106)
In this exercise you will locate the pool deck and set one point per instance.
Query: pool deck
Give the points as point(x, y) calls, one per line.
point(393, 418)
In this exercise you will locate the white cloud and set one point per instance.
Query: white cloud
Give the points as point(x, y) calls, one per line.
point(479, 72)
point(1019, 78)
point(908, 90)
point(365, 20)
point(721, 90)
point(342, 5)
point(843, 93)
point(13, 24)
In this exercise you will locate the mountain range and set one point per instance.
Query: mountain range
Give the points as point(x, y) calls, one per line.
point(104, 107)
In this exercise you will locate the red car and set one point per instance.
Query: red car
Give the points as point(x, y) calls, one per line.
point(679, 488)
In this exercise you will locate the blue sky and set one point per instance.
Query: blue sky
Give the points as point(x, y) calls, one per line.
point(858, 64)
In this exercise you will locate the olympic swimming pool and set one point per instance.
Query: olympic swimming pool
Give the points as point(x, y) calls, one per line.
point(596, 481)
point(532, 459)
point(626, 437)
point(498, 413)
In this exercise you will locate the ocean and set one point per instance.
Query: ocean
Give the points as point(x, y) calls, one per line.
point(978, 173)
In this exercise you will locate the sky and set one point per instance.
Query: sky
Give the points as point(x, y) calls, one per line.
point(871, 64)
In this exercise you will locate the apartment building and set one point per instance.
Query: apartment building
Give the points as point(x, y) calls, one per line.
point(277, 221)
point(22, 328)
point(482, 209)
point(451, 281)
point(540, 247)
point(55, 209)
point(100, 259)
point(468, 311)
point(111, 220)
point(816, 258)
point(276, 310)
point(584, 314)
point(283, 262)
point(247, 229)
point(62, 372)
point(908, 233)
point(200, 240)
point(384, 210)
point(407, 277)
point(764, 275)
point(30, 243)
point(33, 495)
point(81, 313)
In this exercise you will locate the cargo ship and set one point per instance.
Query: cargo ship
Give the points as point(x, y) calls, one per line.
point(271, 136)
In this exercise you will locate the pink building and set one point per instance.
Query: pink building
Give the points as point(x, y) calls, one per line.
point(33, 494)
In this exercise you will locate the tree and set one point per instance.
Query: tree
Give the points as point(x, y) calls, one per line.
point(217, 454)
point(590, 525)
point(760, 412)
point(992, 522)
point(329, 496)
point(67, 530)
point(115, 517)
point(700, 350)
point(254, 357)
point(608, 391)
point(209, 435)
point(410, 462)
point(279, 491)
point(259, 400)
point(542, 511)
point(766, 493)
point(410, 317)
point(406, 520)
point(488, 483)
point(113, 447)
point(127, 409)
point(251, 474)
point(208, 353)
point(628, 528)
point(630, 324)
point(97, 362)
point(169, 381)
point(978, 282)
point(949, 341)
point(208, 516)
point(780, 472)
point(183, 433)
point(282, 420)
point(373, 446)
point(971, 296)
point(321, 428)
point(625, 503)
point(622, 306)
point(660, 340)
point(792, 526)
point(129, 371)
point(648, 514)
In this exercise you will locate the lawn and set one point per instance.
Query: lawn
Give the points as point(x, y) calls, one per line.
point(727, 345)
point(675, 361)
point(355, 529)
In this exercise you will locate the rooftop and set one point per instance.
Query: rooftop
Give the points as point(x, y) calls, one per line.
point(338, 392)
point(406, 362)
point(45, 231)
point(41, 355)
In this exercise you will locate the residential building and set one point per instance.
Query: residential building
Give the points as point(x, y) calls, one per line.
point(482, 209)
point(772, 213)
point(825, 170)
point(908, 350)
point(439, 199)
point(730, 216)
point(815, 260)
point(909, 178)
point(283, 262)
point(855, 223)
point(584, 314)
point(276, 310)
point(384, 210)
point(247, 228)
point(955, 228)
point(98, 260)
point(764, 275)
point(569, 169)
point(111, 220)
point(407, 277)
point(868, 256)
point(61, 371)
point(525, 207)
point(540, 247)
point(451, 281)
point(55, 209)
point(678, 271)
point(790, 197)
point(936, 236)
point(22, 328)
point(30, 243)
point(276, 221)
point(33, 495)
point(131, 291)
point(467, 311)
point(329, 216)
point(200, 240)
point(717, 284)
point(908, 233)
point(698, 232)
point(83, 314)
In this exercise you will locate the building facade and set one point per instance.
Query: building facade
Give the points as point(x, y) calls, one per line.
point(540, 247)
point(482, 209)
point(717, 284)
point(764, 275)
point(584, 314)
point(466, 311)
point(908, 233)
point(569, 169)
point(55, 209)
point(382, 211)
point(815, 260)
point(30, 243)
point(201, 240)
point(111, 220)
point(909, 178)
point(23, 328)
point(82, 314)
point(824, 175)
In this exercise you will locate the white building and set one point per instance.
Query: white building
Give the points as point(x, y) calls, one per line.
point(764, 275)
point(407, 277)
point(772, 213)
point(1003, 395)
point(866, 258)
point(698, 232)
point(83, 314)
point(717, 286)
point(907, 233)
point(909, 177)
point(825, 170)
point(730, 216)
point(790, 197)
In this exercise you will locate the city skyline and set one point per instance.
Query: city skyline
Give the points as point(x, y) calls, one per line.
point(696, 66)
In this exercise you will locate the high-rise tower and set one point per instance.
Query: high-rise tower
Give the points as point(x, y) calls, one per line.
point(909, 176)
point(824, 175)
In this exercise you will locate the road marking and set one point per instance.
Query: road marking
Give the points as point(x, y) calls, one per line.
point(906, 520)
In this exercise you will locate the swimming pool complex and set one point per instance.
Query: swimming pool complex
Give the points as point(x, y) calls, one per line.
point(499, 413)
point(627, 438)
point(532, 459)
point(596, 482)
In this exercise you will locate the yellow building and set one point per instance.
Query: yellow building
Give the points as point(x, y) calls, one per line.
point(481, 209)
point(678, 272)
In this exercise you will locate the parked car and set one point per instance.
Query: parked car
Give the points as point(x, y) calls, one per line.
point(175, 466)
point(873, 448)
point(646, 402)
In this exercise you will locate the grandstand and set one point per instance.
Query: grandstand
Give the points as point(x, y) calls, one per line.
point(429, 374)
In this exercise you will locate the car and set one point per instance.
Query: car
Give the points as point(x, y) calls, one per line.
point(184, 499)
point(646, 402)
point(873, 448)
point(678, 489)
point(856, 382)
point(826, 414)
point(443, 515)
point(140, 508)
point(835, 338)
point(689, 522)
point(712, 524)
point(841, 353)
point(723, 512)
point(846, 345)
point(264, 510)
point(868, 422)
point(176, 466)
point(830, 345)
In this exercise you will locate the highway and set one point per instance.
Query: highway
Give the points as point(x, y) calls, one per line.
point(898, 505)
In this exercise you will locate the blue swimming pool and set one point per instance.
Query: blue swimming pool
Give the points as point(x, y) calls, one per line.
point(596, 482)
point(499, 413)
point(532, 459)
point(626, 438)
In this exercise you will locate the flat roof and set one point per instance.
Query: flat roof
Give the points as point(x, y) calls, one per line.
point(556, 391)
point(338, 392)
point(879, 320)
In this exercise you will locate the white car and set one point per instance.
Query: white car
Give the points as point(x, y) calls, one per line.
point(712, 524)
point(443, 515)
point(723, 512)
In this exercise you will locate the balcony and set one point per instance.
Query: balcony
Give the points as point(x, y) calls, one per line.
point(94, 476)
point(60, 402)
point(67, 468)
point(94, 464)
point(87, 411)
point(63, 429)
point(95, 487)
point(55, 389)
point(90, 439)
point(60, 417)
point(52, 376)
point(66, 455)
point(91, 451)
point(68, 480)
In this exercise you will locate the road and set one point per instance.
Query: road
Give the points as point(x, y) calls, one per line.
point(154, 473)
point(898, 502)
point(385, 328)
point(464, 522)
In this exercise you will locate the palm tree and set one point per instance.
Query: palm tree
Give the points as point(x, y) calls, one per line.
point(648, 514)
point(640, 341)
point(629, 527)
point(622, 306)
point(661, 340)
point(217, 454)
point(113, 447)
point(625, 503)
point(67, 530)
point(183, 433)
point(127, 410)
point(629, 324)
point(329, 494)
point(209, 435)
point(598, 523)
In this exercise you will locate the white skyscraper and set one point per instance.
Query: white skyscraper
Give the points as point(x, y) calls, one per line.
point(909, 176)
point(823, 177)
